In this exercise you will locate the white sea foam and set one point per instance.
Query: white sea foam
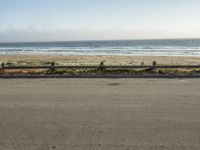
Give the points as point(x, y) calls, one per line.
point(147, 47)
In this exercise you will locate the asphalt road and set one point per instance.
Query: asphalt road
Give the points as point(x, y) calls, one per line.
point(100, 114)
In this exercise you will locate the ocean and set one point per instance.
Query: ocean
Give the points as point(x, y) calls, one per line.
point(183, 47)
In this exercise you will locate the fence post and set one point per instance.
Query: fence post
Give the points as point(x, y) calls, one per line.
point(154, 64)
point(52, 67)
point(101, 68)
point(2, 66)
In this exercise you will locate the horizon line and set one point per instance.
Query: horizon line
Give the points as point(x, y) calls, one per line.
point(61, 41)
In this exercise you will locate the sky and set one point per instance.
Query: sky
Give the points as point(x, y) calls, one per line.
point(75, 20)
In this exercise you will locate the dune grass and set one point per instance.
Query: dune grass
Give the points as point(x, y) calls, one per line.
point(100, 70)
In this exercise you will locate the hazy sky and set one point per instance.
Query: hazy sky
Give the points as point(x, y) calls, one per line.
point(62, 20)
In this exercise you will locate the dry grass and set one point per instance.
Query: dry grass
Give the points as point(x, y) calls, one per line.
point(101, 71)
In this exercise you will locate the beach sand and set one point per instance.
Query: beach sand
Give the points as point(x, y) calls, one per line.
point(95, 60)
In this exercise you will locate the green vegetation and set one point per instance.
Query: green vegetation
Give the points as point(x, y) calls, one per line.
point(100, 70)
point(124, 71)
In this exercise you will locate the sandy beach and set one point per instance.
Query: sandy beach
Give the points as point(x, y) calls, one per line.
point(95, 60)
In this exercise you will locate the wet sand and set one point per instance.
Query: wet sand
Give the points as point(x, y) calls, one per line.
point(95, 60)
point(100, 114)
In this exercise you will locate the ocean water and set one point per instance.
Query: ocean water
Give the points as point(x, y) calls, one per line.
point(186, 47)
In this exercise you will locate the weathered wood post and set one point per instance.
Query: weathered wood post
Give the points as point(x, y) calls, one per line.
point(154, 64)
point(2, 67)
point(101, 68)
point(52, 67)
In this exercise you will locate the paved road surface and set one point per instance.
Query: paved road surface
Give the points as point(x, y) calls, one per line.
point(100, 114)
